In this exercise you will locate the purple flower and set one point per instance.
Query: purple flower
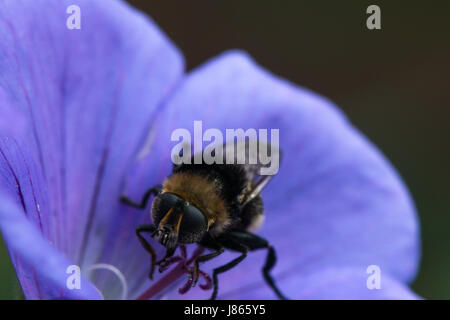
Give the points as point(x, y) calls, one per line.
point(86, 116)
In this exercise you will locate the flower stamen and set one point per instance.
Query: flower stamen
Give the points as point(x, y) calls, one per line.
point(184, 266)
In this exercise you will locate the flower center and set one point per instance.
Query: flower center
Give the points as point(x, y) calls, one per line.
point(184, 265)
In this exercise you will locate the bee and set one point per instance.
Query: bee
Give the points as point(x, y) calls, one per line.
point(214, 205)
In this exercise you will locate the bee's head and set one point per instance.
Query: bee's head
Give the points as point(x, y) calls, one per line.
point(178, 221)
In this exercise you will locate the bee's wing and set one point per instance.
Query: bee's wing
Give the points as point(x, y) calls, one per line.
point(257, 159)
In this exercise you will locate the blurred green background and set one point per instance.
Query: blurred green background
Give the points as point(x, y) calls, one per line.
point(392, 83)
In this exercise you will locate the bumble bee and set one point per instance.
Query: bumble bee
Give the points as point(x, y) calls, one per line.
point(214, 205)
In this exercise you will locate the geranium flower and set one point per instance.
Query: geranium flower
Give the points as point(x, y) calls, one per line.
point(86, 116)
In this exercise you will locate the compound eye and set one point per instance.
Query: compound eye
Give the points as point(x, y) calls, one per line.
point(162, 204)
point(193, 225)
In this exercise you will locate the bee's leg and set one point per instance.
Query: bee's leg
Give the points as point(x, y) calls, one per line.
point(235, 246)
point(204, 258)
point(219, 244)
point(254, 242)
point(169, 253)
point(152, 191)
point(149, 228)
point(209, 242)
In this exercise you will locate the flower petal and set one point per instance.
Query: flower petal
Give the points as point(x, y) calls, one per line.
point(89, 96)
point(8, 127)
point(335, 201)
point(343, 283)
point(46, 265)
